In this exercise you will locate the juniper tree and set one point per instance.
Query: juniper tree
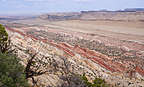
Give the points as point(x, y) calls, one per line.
point(4, 41)
point(3, 34)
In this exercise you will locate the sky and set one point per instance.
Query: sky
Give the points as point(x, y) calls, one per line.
point(45, 6)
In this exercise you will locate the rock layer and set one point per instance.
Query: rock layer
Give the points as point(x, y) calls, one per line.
point(114, 64)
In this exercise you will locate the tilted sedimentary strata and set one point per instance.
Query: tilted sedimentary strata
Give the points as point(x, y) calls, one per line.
point(117, 61)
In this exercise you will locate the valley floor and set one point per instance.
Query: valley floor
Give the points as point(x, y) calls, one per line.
point(117, 46)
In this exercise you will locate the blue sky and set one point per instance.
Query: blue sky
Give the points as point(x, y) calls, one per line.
point(45, 6)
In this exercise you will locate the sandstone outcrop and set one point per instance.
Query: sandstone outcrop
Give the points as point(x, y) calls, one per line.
point(110, 62)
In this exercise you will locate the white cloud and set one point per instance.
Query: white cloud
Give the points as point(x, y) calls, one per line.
point(38, 0)
point(51, 0)
point(58, 0)
point(83, 0)
point(3, 0)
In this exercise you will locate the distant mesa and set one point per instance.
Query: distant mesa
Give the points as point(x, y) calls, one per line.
point(129, 14)
point(134, 9)
point(61, 16)
point(13, 18)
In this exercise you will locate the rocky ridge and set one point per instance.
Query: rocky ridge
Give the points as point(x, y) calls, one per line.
point(98, 58)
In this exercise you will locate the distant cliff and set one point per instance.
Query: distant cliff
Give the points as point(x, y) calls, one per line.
point(13, 18)
point(129, 14)
point(113, 15)
point(134, 9)
point(60, 16)
point(121, 15)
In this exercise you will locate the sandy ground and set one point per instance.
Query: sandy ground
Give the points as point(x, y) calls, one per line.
point(133, 31)
point(136, 28)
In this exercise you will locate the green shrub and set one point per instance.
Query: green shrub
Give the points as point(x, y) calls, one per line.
point(4, 42)
point(3, 34)
point(84, 78)
point(97, 82)
point(11, 72)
